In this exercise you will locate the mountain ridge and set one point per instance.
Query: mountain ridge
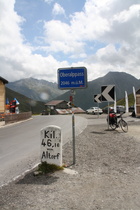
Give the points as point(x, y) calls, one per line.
point(84, 98)
point(122, 81)
point(39, 90)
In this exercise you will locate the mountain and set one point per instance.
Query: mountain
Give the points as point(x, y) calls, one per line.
point(85, 97)
point(38, 90)
point(26, 104)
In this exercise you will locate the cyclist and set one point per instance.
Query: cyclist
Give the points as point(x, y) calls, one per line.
point(112, 117)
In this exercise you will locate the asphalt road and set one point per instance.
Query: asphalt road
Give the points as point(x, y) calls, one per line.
point(20, 143)
point(106, 174)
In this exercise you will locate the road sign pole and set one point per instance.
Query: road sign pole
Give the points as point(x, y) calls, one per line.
point(98, 110)
point(73, 134)
point(108, 94)
point(73, 126)
point(72, 78)
point(108, 116)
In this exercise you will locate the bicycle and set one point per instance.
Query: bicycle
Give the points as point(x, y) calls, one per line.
point(114, 123)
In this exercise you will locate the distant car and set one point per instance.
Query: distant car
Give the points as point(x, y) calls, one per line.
point(94, 110)
point(105, 110)
point(44, 112)
point(120, 108)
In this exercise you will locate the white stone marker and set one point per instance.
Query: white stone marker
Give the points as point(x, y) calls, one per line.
point(51, 145)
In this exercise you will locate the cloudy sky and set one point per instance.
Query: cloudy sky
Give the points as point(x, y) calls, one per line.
point(39, 36)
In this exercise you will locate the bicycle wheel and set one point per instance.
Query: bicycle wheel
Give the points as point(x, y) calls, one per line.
point(123, 125)
point(113, 126)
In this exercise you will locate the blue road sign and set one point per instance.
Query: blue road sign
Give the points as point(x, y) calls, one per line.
point(72, 78)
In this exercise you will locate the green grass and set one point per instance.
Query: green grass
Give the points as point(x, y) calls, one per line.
point(130, 101)
point(122, 101)
point(45, 168)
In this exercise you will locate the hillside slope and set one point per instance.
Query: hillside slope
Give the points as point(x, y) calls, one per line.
point(122, 81)
point(38, 90)
point(41, 90)
point(26, 104)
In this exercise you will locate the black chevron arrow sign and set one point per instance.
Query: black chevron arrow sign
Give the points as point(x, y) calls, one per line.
point(108, 93)
point(97, 98)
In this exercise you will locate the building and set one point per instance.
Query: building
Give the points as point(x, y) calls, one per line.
point(52, 106)
point(2, 94)
point(61, 107)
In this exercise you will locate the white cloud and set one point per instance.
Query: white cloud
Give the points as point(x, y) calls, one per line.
point(113, 24)
point(16, 58)
point(64, 41)
point(58, 10)
point(48, 1)
point(108, 21)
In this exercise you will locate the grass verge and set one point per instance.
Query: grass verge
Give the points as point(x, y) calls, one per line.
point(45, 168)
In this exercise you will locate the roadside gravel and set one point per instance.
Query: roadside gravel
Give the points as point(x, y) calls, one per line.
point(106, 175)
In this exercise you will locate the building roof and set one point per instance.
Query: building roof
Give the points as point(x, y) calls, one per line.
point(3, 80)
point(76, 110)
point(54, 102)
point(138, 91)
